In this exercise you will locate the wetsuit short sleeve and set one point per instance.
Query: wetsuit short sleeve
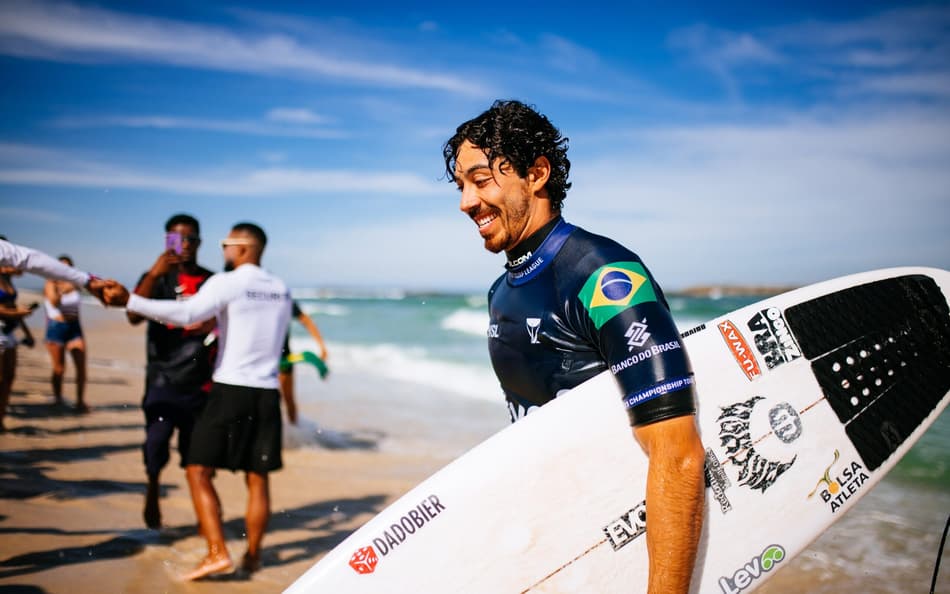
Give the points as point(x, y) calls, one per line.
point(630, 323)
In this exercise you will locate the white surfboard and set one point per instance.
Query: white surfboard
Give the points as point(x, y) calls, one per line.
point(806, 401)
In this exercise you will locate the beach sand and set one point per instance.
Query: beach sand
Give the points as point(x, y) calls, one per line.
point(72, 487)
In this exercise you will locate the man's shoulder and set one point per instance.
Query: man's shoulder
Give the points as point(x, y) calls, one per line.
point(585, 252)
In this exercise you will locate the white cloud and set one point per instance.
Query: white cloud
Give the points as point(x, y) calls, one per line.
point(69, 32)
point(279, 127)
point(295, 115)
point(28, 214)
point(61, 169)
point(798, 200)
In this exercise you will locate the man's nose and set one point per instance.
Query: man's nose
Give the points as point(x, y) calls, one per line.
point(468, 200)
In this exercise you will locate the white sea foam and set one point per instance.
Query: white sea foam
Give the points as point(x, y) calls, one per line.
point(468, 321)
point(410, 364)
point(326, 309)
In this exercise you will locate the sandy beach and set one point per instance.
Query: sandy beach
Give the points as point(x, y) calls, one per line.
point(72, 487)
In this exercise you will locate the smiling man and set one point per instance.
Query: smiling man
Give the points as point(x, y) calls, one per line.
point(572, 304)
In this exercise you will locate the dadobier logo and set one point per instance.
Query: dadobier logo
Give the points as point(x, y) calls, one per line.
point(614, 288)
point(836, 490)
point(365, 559)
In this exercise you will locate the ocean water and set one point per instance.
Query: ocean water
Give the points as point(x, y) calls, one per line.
point(439, 341)
point(437, 345)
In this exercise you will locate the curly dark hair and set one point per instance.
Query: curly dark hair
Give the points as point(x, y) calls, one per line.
point(517, 134)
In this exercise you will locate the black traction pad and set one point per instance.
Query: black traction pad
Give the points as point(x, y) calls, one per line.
point(881, 353)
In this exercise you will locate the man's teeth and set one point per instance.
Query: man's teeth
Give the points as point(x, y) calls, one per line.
point(485, 220)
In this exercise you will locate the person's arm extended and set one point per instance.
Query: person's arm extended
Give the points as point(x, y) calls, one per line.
point(36, 262)
point(146, 285)
point(307, 323)
point(675, 493)
point(202, 306)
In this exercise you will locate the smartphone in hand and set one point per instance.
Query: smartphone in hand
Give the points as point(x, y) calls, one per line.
point(173, 242)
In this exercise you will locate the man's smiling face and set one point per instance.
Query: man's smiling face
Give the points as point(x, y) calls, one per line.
point(494, 197)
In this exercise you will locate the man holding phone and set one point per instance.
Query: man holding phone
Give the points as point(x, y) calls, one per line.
point(180, 360)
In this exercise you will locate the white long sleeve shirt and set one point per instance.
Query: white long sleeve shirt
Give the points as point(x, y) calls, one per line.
point(36, 262)
point(252, 308)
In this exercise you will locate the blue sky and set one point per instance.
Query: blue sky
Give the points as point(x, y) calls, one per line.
point(743, 144)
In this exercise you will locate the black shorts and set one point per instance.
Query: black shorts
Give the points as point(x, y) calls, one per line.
point(238, 429)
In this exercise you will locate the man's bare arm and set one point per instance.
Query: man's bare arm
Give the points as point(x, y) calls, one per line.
point(675, 493)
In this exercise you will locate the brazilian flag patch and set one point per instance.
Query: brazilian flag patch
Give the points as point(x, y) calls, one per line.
point(614, 288)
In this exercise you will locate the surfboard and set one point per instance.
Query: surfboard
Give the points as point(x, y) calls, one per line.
point(806, 400)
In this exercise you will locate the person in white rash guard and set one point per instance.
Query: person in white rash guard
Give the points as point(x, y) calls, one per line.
point(240, 426)
point(27, 259)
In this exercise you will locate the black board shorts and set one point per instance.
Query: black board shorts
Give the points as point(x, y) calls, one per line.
point(238, 429)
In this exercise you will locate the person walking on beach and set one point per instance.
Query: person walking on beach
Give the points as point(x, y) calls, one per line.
point(286, 373)
point(64, 333)
point(179, 359)
point(572, 304)
point(11, 318)
point(239, 428)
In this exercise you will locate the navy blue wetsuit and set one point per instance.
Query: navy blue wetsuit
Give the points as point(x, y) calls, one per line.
point(580, 304)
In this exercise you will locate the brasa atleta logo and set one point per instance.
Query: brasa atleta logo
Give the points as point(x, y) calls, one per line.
point(836, 490)
point(364, 560)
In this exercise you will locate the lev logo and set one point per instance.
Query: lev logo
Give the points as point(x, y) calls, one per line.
point(752, 570)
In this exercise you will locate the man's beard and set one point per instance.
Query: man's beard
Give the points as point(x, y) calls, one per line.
point(228, 266)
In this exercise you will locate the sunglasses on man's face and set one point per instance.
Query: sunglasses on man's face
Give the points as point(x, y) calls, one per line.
point(226, 242)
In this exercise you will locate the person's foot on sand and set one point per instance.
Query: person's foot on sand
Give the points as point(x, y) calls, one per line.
point(250, 563)
point(210, 565)
point(82, 408)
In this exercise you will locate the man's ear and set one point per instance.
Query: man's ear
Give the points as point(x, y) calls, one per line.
point(539, 173)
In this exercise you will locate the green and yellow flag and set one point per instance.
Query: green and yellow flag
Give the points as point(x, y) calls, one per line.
point(614, 288)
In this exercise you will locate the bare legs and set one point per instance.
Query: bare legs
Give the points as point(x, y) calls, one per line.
point(7, 373)
point(57, 354)
point(256, 518)
point(208, 509)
